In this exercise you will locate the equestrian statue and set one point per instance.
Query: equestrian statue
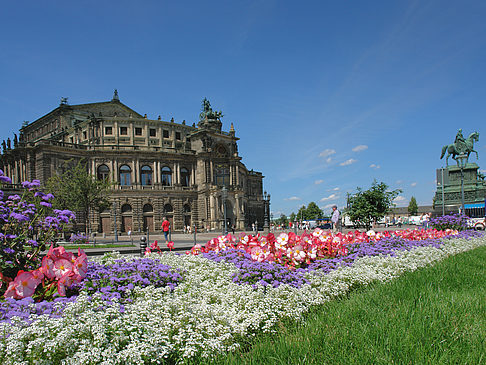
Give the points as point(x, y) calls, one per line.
point(461, 146)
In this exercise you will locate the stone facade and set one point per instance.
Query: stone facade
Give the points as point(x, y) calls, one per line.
point(158, 168)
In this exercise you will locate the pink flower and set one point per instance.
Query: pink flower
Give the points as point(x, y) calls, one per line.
point(47, 267)
point(65, 281)
point(170, 244)
point(155, 246)
point(80, 266)
point(148, 251)
point(23, 285)
point(61, 267)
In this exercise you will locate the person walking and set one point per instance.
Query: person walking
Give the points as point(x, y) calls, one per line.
point(336, 219)
point(166, 229)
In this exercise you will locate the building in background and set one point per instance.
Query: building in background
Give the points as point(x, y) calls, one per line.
point(158, 168)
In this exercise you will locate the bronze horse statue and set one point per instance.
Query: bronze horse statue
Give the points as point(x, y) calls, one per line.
point(465, 147)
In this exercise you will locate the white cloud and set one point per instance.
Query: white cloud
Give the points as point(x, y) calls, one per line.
point(335, 189)
point(361, 147)
point(330, 197)
point(348, 162)
point(328, 160)
point(293, 198)
point(399, 198)
point(318, 182)
point(327, 152)
point(413, 184)
point(328, 206)
point(399, 182)
point(374, 166)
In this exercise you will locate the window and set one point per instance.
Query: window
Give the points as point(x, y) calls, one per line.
point(125, 175)
point(221, 175)
point(126, 208)
point(153, 132)
point(138, 131)
point(166, 176)
point(103, 172)
point(108, 130)
point(185, 177)
point(84, 135)
point(178, 136)
point(166, 133)
point(146, 175)
point(123, 131)
point(168, 208)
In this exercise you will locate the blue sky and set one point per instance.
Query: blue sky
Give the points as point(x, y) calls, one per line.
point(325, 96)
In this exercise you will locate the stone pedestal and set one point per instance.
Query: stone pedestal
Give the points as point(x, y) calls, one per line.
point(474, 188)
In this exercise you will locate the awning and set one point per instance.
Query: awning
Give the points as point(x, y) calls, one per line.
point(476, 205)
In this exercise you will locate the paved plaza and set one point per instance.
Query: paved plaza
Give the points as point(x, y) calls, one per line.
point(182, 241)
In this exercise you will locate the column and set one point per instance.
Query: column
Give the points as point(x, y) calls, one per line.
point(137, 172)
point(211, 173)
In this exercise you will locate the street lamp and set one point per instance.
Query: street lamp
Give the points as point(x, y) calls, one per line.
point(266, 212)
point(462, 160)
point(224, 196)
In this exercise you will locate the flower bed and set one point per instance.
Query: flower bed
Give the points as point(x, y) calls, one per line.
point(173, 306)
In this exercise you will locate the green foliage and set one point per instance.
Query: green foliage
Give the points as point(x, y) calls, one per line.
point(412, 206)
point(292, 217)
point(282, 220)
point(313, 211)
point(368, 206)
point(79, 191)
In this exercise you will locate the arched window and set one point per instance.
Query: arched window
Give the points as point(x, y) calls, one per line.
point(146, 175)
point(185, 177)
point(125, 175)
point(166, 176)
point(168, 208)
point(126, 208)
point(103, 172)
point(186, 208)
point(148, 208)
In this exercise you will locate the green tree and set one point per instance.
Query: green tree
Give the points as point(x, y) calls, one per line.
point(292, 217)
point(301, 215)
point(412, 206)
point(75, 189)
point(282, 220)
point(313, 211)
point(368, 206)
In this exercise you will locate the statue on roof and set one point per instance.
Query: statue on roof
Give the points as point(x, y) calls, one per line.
point(9, 146)
point(207, 111)
point(16, 140)
point(115, 96)
point(4, 146)
point(460, 146)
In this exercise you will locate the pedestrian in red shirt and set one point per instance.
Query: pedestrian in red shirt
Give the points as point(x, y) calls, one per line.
point(165, 229)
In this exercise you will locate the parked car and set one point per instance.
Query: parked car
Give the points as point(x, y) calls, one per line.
point(479, 224)
point(325, 226)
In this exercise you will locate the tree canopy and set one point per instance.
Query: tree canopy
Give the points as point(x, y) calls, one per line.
point(368, 206)
point(412, 206)
point(75, 189)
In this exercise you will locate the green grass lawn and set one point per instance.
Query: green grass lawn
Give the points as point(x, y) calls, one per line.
point(436, 315)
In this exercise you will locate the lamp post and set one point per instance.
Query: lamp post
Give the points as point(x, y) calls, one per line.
point(224, 195)
point(114, 221)
point(266, 212)
point(462, 160)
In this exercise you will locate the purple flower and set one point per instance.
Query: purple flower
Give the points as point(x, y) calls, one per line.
point(5, 179)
